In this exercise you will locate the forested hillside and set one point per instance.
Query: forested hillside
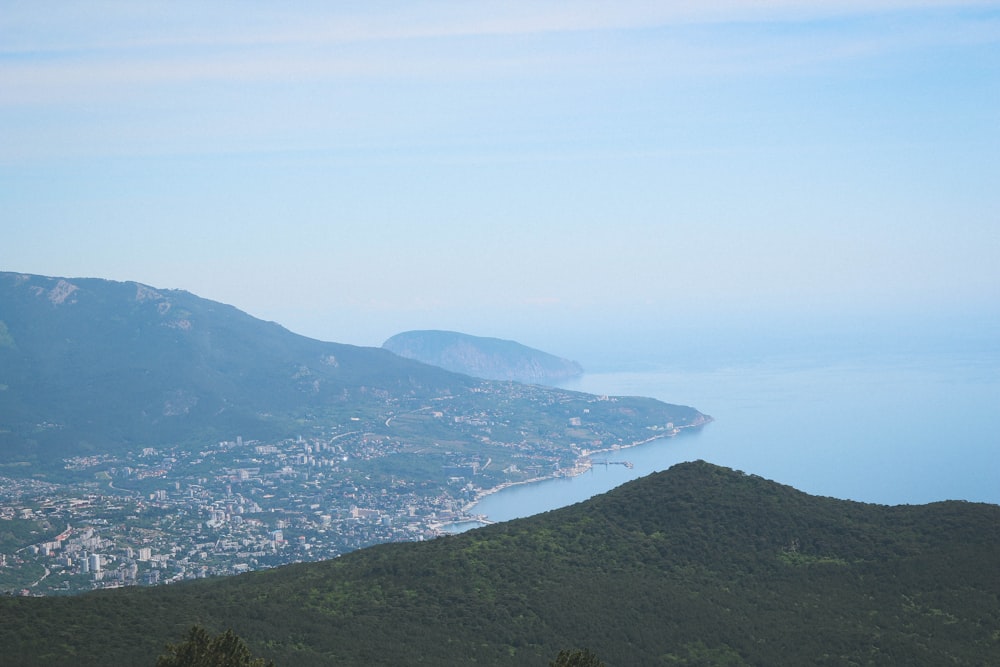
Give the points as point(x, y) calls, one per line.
point(694, 566)
point(92, 367)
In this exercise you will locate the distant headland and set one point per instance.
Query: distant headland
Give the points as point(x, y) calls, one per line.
point(487, 358)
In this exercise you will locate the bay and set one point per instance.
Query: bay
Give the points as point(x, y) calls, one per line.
point(890, 429)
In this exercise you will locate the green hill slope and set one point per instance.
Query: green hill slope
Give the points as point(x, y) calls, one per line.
point(94, 365)
point(698, 565)
point(91, 366)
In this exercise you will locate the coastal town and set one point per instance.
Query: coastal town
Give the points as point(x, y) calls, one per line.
point(163, 515)
point(265, 505)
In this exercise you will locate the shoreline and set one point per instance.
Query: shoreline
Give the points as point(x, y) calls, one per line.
point(582, 464)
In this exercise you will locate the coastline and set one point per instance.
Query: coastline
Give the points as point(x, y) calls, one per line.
point(583, 463)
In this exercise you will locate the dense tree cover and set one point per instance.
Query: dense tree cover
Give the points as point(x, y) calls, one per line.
point(202, 650)
point(576, 658)
point(17, 533)
point(698, 565)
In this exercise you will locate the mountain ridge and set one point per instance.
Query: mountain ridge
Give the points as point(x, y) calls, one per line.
point(91, 367)
point(167, 358)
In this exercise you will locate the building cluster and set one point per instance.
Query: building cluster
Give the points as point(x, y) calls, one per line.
point(261, 505)
point(158, 515)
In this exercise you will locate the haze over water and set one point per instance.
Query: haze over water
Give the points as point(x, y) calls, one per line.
point(578, 177)
point(914, 426)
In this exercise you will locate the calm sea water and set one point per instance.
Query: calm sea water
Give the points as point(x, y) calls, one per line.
point(890, 429)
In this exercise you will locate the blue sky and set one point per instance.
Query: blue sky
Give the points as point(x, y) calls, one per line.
point(513, 169)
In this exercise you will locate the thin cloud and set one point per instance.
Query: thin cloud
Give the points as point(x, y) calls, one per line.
point(112, 26)
point(315, 77)
point(382, 47)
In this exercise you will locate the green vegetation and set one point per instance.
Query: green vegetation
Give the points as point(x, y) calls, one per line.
point(12, 579)
point(699, 565)
point(201, 650)
point(576, 658)
point(18, 533)
point(103, 366)
point(6, 340)
point(104, 369)
point(191, 413)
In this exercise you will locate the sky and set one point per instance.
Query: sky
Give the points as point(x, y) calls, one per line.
point(527, 170)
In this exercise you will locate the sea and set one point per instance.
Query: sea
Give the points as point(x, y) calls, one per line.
point(907, 426)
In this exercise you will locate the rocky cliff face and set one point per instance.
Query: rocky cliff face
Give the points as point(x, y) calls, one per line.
point(489, 358)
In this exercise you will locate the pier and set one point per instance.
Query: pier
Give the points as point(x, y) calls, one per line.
point(627, 464)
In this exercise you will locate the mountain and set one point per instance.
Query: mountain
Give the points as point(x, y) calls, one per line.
point(490, 358)
point(698, 565)
point(92, 367)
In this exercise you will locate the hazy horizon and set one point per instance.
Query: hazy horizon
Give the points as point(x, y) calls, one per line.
point(534, 171)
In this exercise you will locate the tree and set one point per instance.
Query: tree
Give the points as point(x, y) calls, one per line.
point(202, 650)
point(576, 658)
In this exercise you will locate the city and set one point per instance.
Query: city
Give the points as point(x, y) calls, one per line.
point(158, 515)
